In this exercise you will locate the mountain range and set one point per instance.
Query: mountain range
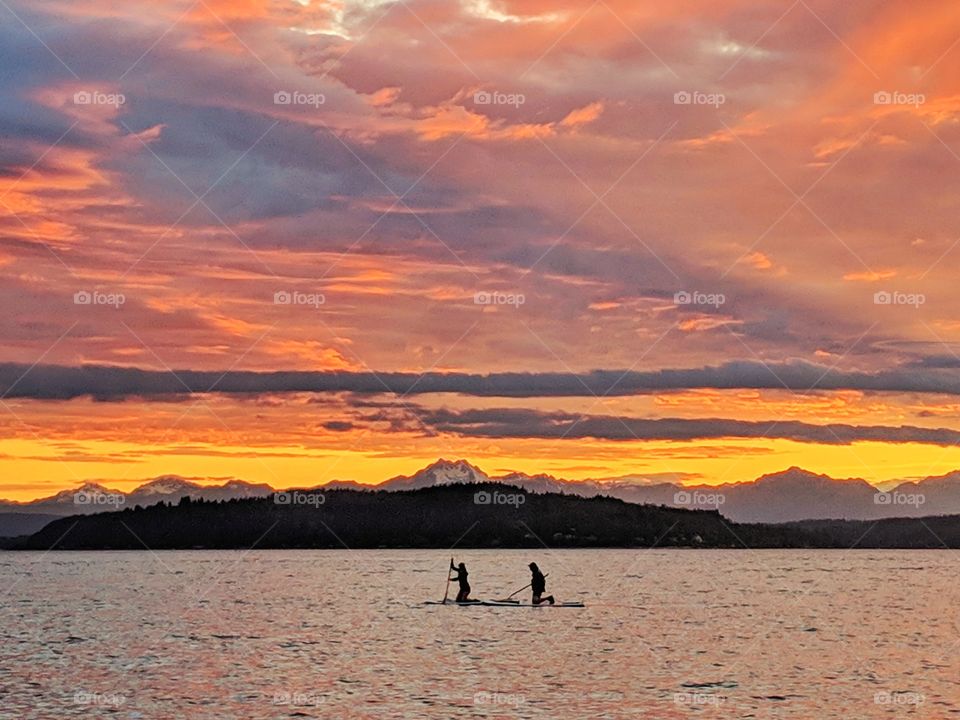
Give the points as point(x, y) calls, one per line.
point(21, 518)
point(461, 515)
point(790, 495)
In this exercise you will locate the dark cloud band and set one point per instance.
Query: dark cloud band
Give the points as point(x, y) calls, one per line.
point(525, 423)
point(103, 382)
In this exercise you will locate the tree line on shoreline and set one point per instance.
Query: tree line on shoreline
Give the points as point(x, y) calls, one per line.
point(486, 515)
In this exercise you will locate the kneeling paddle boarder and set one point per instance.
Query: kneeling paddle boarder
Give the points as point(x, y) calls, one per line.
point(539, 586)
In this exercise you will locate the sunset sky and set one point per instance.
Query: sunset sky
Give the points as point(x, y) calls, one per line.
point(298, 241)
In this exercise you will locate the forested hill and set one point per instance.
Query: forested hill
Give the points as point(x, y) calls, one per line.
point(484, 515)
point(464, 516)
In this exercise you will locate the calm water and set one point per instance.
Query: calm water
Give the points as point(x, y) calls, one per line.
point(331, 634)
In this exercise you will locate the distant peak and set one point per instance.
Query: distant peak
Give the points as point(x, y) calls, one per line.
point(443, 462)
point(801, 476)
point(166, 485)
point(236, 482)
point(67, 496)
point(91, 486)
point(168, 480)
point(86, 487)
point(440, 472)
point(455, 467)
point(794, 471)
point(515, 474)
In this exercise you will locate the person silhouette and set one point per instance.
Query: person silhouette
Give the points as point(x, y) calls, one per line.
point(461, 577)
point(539, 586)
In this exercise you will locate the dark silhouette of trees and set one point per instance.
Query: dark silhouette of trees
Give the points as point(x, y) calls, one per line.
point(441, 517)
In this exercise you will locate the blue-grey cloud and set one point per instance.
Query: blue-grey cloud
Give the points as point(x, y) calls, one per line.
point(106, 382)
point(526, 423)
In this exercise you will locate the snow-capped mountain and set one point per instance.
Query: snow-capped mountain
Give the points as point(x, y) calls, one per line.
point(164, 486)
point(786, 496)
point(442, 472)
point(792, 494)
point(448, 472)
point(67, 498)
point(93, 497)
point(171, 488)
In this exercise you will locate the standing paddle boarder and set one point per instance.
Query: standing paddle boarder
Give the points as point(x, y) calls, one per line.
point(461, 577)
point(539, 586)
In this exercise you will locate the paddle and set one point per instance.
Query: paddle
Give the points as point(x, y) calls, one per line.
point(446, 590)
point(507, 598)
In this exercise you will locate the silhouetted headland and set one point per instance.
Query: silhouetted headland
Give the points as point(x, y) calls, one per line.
point(488, 515)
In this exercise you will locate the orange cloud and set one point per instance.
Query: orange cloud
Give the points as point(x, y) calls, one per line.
point(584, 115)
point(870, 275)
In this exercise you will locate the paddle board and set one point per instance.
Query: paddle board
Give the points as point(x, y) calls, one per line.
point(504, 603)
